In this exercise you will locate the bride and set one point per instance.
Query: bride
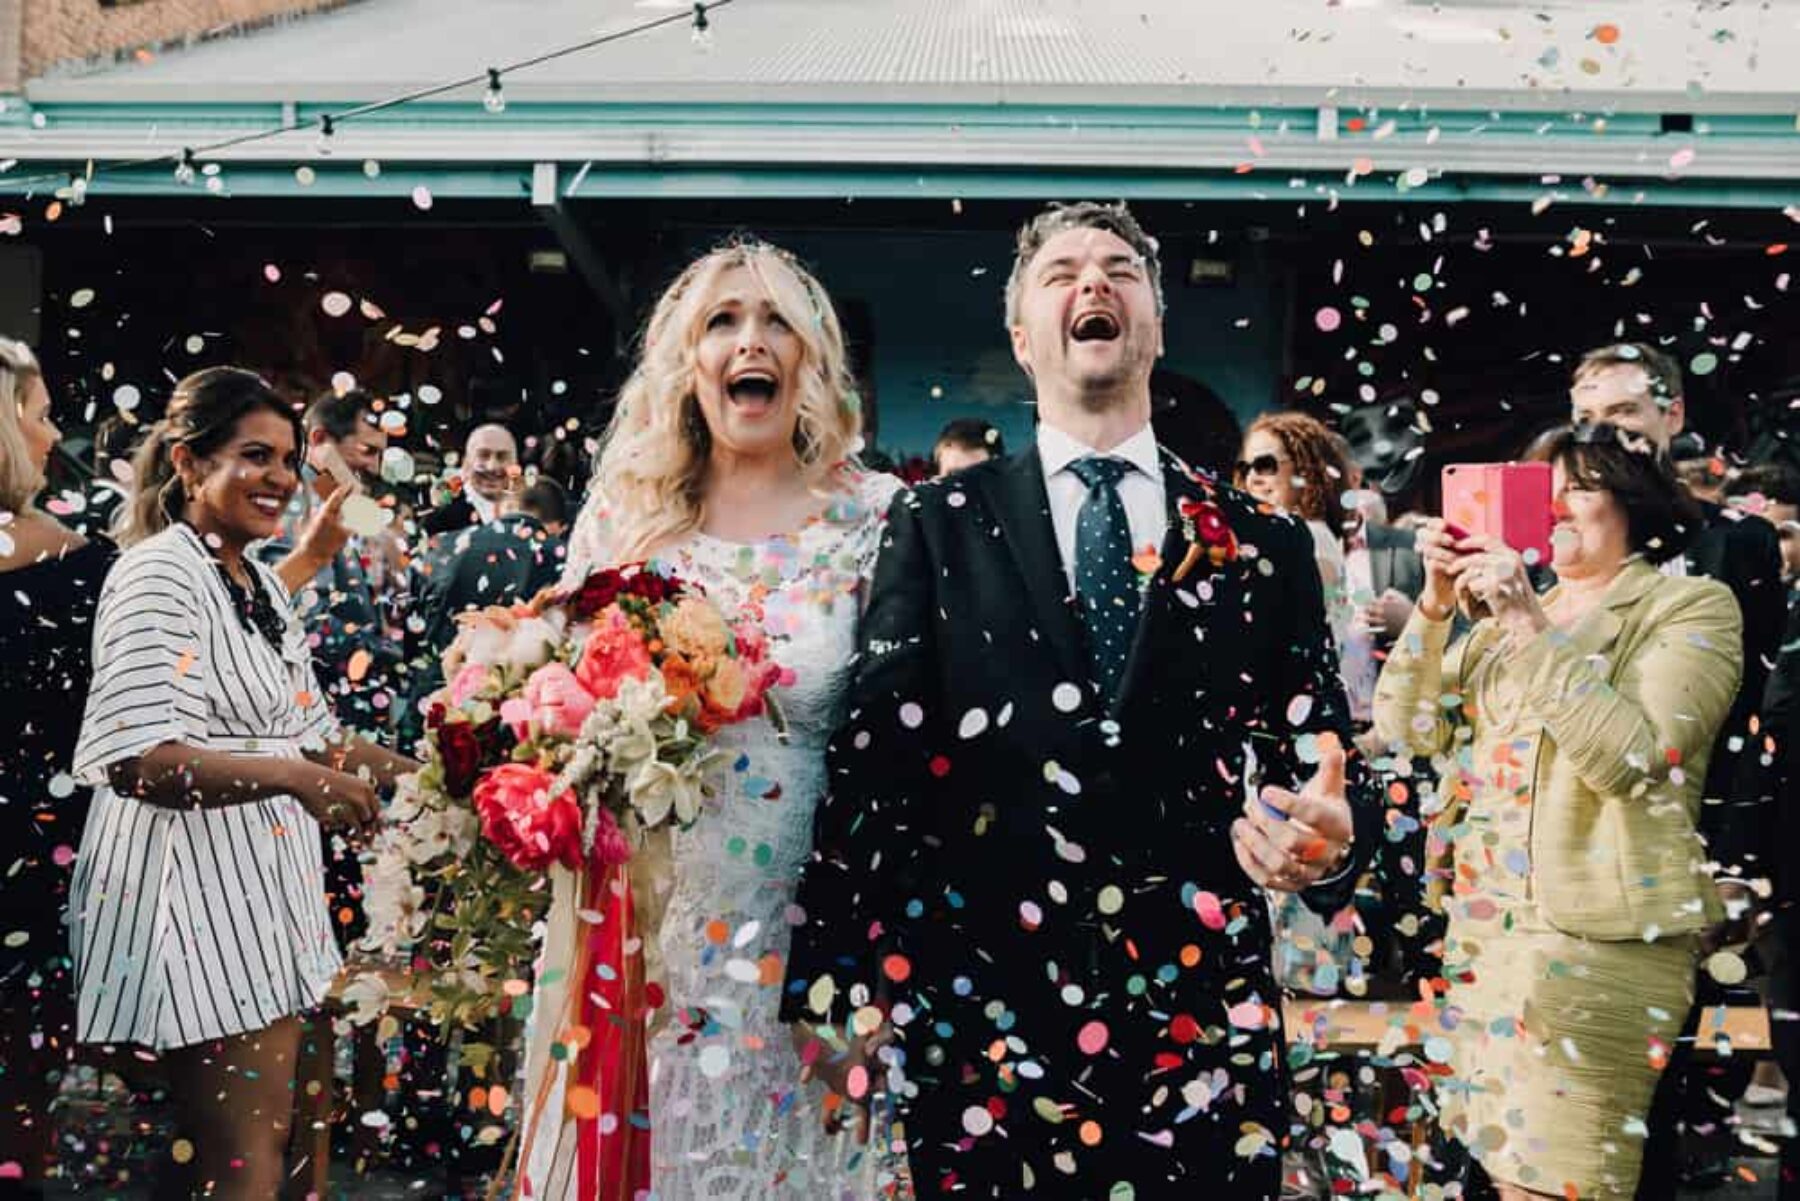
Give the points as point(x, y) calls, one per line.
point(730, 463)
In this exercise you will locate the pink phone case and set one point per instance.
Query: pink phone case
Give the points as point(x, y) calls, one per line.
point(1509, 501)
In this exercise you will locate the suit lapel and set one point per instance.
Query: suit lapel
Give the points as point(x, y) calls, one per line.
point(1177, 486)
point(1023, 508)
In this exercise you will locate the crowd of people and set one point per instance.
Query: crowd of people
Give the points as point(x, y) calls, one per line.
point(1090, 756)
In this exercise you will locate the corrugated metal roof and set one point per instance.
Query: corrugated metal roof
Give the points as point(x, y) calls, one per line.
point(1703, 56)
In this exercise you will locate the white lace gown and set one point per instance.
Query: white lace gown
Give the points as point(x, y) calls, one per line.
point(729, 1120)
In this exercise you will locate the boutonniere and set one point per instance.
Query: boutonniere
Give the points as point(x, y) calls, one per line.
point(1208, 535)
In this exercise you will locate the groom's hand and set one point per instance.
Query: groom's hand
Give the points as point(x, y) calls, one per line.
point(1289, 841)
point(848, 1078)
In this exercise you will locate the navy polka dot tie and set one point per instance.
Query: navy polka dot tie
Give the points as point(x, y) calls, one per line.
point(1105, 580)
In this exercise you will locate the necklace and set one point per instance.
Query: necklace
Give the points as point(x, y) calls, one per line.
point(251, 602)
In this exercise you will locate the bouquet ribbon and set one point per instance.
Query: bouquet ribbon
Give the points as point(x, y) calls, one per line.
point(601, 1019)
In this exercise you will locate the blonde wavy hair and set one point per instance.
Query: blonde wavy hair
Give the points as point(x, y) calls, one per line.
point(649, 480)
point(20, 479)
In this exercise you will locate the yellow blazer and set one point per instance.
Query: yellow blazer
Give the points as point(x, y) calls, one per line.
point(1624, 708)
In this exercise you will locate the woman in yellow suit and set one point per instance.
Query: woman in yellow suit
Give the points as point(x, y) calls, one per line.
point(1572, 731)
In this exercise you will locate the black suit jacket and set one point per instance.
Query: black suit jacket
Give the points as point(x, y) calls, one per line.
point(458, 514)
point(1018, 843)
point(1394, 562)
point(1743, 552)
point(499, 563)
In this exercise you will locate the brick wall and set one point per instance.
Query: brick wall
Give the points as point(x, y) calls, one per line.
point(57, 32)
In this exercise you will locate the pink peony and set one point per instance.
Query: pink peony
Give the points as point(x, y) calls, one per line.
point(610, 845)
point(553, 703)
point(471, 679)
point(612, 654)
point(529, 826)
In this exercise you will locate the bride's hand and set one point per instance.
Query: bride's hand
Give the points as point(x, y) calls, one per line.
point(838, 1072)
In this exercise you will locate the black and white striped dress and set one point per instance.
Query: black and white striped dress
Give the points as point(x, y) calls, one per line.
point(194, 924)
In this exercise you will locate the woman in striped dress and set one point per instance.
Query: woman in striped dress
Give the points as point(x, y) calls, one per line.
point(198, 911)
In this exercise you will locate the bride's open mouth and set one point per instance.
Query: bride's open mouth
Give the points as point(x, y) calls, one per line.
point(755, 390)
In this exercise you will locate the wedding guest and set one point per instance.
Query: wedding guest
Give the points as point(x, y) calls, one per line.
point(1577, 740)
point(1636, 387)
point(342, 598)
point(197, 911)
point(501, 562)
point(49, 585)
point(1294, 464)
point(964, 443)
point(490, 464)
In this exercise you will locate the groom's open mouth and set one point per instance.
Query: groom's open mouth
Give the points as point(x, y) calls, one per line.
point(1096, 325)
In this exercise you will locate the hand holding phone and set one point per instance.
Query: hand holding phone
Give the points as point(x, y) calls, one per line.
point(1507, 501)
point(361, 514)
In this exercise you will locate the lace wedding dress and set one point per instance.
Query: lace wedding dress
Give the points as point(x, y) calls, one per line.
point(729, 1119)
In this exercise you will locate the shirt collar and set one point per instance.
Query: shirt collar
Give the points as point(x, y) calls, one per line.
point(1058, 450)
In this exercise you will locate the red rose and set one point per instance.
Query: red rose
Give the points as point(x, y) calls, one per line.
point(524, 822)
point(434, 715)
point(595, 593)
point(460, 750)
point(652, 587)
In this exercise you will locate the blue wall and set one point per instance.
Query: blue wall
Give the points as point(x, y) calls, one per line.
point(941, 349)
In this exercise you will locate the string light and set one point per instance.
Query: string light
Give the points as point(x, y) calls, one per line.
point(186, 162)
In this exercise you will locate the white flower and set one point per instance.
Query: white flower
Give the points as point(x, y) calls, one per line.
point(632, 744)
point(642, 701)
point(533, 642)
point(394, 904)
point(479, 646)
point(440, 833)
point(657, 789)
point(366, 997)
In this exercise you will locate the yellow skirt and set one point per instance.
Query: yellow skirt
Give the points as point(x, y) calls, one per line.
point(1558, 1050)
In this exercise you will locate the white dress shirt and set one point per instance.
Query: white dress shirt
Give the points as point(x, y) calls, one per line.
point(1141, 490)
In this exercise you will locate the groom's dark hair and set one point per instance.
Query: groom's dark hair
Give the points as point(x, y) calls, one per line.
point(1087, 214)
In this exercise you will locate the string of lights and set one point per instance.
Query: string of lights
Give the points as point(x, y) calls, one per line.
point(189, 160)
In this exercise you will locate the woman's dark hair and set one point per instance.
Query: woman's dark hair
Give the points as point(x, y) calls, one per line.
point(1660, 517)
point(203, 415)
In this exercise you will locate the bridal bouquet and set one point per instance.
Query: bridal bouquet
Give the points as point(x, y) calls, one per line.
point(572, 733)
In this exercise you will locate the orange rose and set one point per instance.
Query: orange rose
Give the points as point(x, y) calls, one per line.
point(695, 629)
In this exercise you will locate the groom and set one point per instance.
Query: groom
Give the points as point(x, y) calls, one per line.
point(1040, 862)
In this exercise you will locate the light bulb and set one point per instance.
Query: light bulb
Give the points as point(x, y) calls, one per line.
point(495, 99)
point(184, 172)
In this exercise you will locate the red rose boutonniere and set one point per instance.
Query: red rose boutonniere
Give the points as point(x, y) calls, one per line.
point(1208, 535)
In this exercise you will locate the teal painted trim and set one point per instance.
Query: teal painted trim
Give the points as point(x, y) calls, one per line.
point(278, 182)
point(344, 178)
point(1280, 188)
point(1268, 121)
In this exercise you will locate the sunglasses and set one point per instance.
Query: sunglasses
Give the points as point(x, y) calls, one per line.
point(1260, 465)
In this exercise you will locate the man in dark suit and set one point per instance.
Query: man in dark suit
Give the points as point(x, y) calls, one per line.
point(499, 562)
point(1639, 388)
point(490, 466)
point(1040, 863)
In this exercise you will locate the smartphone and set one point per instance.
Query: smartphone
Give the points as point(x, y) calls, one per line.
point(1508, 501)
point(336, 473)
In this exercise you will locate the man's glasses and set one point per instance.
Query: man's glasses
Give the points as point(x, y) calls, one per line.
point(1260, 465)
